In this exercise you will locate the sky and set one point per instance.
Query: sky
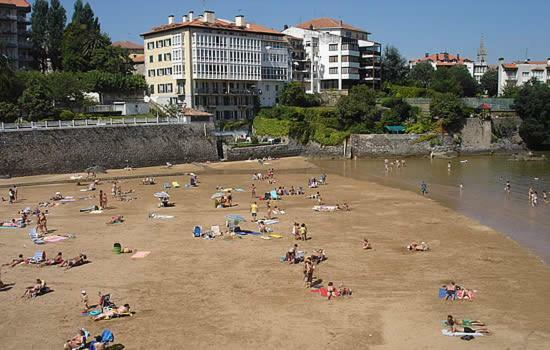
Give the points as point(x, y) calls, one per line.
point(511, 29)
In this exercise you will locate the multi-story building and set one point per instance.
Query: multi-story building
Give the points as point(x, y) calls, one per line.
point(520, 72)
point(136, 54)
point(338, 55)
point(220, 66)
point(14, 34)
point(444, 60)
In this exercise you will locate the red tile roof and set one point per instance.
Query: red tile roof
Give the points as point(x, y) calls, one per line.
point(218, 24)
point(326, 23)
point(443, 59)
point(18, 3)
point(138, 58)
point(128, 45)
point(510, 66)
point(514, 65)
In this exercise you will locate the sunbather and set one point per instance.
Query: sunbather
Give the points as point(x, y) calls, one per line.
point(116, 220)
point(291, 255)
point(17, 261)
point(77, 341)
point(465, 326)
point(118, 312)
point(422, 247)
point(344, 206)
point(76, 261)
point(57, 197)
point(366, 244)
point(331, 291)
point(55, 261)
point(35, 290)
point(318, 256)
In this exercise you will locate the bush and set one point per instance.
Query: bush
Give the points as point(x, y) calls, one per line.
point(408, 91)
point(8, 112)
point(66, 115)
point(264, 126)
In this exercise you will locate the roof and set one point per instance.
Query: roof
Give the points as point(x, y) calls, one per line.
point(127, 45)
point(138, 58)
point(326, 23)
point(218, 24)
point(443, 58)
point(395, 128)
point(18, 3)
point(485, 106)
point(514, 65)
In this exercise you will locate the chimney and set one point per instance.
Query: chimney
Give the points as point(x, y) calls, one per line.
point(209, 17)
point(528, 60)
point(171, 19)
point(548, 61)
point(190, 15)
point(240, 21)
point(501, 59)
point(285, 27)
point(427, 54)
point(184, 18)
point(458, 56)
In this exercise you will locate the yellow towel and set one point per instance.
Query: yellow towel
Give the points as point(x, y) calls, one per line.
point(274, 235)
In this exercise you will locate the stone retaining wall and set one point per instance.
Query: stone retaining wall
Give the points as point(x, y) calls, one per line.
point(287, 149)
point(32, 152)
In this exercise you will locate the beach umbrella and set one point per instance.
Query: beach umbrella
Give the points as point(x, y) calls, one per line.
point(162, 195)
point(235, 217)
point(217, 195)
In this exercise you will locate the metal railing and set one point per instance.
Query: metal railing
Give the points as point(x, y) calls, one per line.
point(91, 123)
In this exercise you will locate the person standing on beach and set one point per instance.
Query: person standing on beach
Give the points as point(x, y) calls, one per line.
point(100, 199)
point(254, 211)
point(104, 199)
point(11, 195)
point(449, 166)
point(423, 188)
point(508, 187)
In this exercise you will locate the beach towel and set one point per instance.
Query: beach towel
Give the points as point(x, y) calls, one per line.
point(266, 238)
point(89, 209)
point(175, 184)
point(106, 338)
point(274, 235)
point(9, 225)
point(33, 235)
point(442, 293)
point(38, 257)
point(96, 212)
point(160, 217)
point(140, 255)
point(273, 194)
point(90, 313)
point(325, 208)
point(448, 333)
point(324, 292)
point(270, 222)
point(54, 239)
point(67, 200)
point(239, 190)
point(216, 230)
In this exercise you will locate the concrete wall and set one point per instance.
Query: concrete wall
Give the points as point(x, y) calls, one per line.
point(74, 149)
point(476, 135)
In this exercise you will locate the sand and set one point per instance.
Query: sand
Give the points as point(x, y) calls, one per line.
point(235, 294)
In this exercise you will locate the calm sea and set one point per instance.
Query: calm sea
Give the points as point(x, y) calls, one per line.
point(482, 198)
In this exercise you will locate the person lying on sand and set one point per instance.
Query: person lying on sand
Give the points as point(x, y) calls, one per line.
point(344, 207)
point(366, 244)
point(17, 261)
point(318, 256)
point(278, 211)
point(77, 341)
point(116, 220)
point(34, 291)
point(118, 312)
point(165, 203)
point(76, 261)
point(58, 260)
point(57, 197)
point(148, 181)
point(422, 247)
point(465, 326)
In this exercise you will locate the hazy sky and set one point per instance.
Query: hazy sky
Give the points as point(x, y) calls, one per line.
point(511, 28)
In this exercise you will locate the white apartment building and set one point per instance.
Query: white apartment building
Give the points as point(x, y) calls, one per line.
point(14, 34)
point(520, 72)
point(220, 66)
point(338, 55)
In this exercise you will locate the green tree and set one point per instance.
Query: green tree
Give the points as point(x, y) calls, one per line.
point(112, 59)
point(293, 94)
point(84, 15)
point(9, 112)
point(57, 18)
point(489, 82)
point(421, 74)
point(11, 86)
point(35, 101)
point(394, 66)
point(443, 81)
point(449, 110)
point(358, 108)
point(533, 106)
point(467, 83)
point(39, 34)
point(511, 91)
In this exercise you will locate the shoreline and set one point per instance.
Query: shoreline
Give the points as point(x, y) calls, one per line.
point(239, 286)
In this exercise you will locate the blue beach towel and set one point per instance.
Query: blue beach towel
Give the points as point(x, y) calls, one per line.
point(33, 235)
point(274, 195)
point(442, 293)
point(106, 337)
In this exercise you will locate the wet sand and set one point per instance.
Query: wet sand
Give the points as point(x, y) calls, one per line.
point(193, 293)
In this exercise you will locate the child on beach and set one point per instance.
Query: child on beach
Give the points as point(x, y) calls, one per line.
point(254, 211)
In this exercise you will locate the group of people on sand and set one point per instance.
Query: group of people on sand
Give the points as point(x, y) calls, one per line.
point(35, 290)
point(299, 231)
point(314, 182)
point(225, 201)
point(269, 176)
point(456, 292)
point(465, 326)
point(12, 195)
point(58, 260)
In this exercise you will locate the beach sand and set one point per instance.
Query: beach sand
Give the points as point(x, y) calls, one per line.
point(235, 294)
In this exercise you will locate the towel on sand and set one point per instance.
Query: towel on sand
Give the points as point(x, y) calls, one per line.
point(140, 255)
point(54, 239)
point(448, 333)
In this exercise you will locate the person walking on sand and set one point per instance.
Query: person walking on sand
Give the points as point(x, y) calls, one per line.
point(104, 199)
point(11, 195)
point(100, 199)
point(254, 211)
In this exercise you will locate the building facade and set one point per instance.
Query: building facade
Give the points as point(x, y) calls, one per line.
point(14, 34)
point(520, 72)
point(444, 60)
point(336, 55)
point(228, 68)
point(136, 54)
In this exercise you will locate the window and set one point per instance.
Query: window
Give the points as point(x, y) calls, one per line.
point(176, 40)
point(333, 59)
point(333, 70)
point(150, 45)
point(167, 56)
point(168, 88)
point(167, 42)
point(152, 89)
point(160, 88)
point(350, 70)
point(151, 72)
point(177, 69)
point(525, 74)
point(151, 59)
point(333, 47)
point(160, 58)
point(538, 74)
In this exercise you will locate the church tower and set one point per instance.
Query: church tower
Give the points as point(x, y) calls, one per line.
point(482, 52)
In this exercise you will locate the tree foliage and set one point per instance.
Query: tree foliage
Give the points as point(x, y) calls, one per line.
point(358, 108)
point(39, 34)
point(57, 18)
point(35, 101)
point(533, 106)
point(394, 66)
point(449, 109)
point(489, 82)
point(10, 86)
point(293, 94)
point(421, 75)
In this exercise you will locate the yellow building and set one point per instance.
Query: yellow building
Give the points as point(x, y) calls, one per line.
point(220, 66)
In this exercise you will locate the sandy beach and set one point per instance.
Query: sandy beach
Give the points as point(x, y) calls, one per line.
point(192, 293)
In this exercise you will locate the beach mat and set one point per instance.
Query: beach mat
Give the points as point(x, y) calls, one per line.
point(448, 333)
point(275, 235)
point(140, 255)
point(54, 239)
